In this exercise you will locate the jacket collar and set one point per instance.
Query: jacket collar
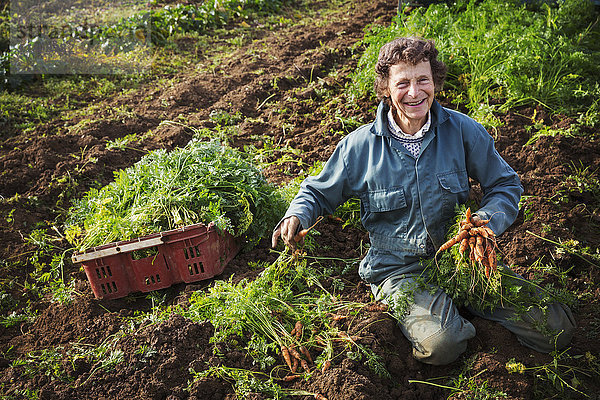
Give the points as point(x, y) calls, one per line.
point(380, 127)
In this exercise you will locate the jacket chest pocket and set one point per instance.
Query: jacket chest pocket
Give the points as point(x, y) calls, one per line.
point(454, 189)
point(388, 211)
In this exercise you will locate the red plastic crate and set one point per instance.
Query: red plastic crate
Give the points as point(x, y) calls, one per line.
point(188, 254)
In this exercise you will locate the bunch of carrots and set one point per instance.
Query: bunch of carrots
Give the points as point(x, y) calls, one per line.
point(476, 241)
point(294, 358)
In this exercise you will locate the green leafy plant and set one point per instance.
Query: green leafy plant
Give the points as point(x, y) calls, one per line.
point(244, 382)
point(564, 373)
point(547, 131)
point(285, 308)
point(571, 246)
point(128, 36)
point(49, 259)
point(15, 318)
point(466, 384)
point(545, 55)
point(584, 179)
point(201, 182)
point(247, 383)
point(123, 142)
point(46, 362)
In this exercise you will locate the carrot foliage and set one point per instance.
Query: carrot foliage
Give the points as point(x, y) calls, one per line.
point(201, 182)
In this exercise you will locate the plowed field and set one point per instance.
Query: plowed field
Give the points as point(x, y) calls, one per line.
point(288, 84)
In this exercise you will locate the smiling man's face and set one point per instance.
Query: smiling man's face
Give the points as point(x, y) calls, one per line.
point(411, 90)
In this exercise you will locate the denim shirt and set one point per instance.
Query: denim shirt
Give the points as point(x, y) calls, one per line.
point(406, 200)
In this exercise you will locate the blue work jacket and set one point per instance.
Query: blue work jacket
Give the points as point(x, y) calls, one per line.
point(406, 200)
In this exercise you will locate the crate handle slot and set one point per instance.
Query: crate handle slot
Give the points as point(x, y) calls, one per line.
point(192, 252)
point(152, 280)
point(196, 268)
point(108, 289)
point(103, 272)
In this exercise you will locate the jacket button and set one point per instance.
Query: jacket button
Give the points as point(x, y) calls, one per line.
point(422, 246)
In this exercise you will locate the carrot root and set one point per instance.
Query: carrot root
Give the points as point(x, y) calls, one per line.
point(294, 353)
point(300, 235)
point(306, 354)
point(337, 317)
point(298, 329)
point(286, 356)
point(476, 238)
point(305, 365)
point(456, 239)
point(290, 378)
point(377, 307)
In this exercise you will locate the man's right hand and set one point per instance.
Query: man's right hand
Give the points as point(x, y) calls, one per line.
point(286, 230)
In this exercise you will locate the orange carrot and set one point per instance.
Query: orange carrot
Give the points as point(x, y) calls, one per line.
point(464, 244)
point(294, 353)
point(320, 397)
point(337, 317)
point(468, 215)
point(305, 365)
point(344, 335)
point(298, 329)
point(492, 258)
point(480, 222)
point(478, 232)
point(465, 225)
point(295, 364)
point(326, 365)
point(377, 307)
point(289, 378)
point(286, 356)
point(456, 239)
point(485, 262)
point(472, 242)
point(479, 250)
point(300, 235)
point(489, 231)
point(306, 354)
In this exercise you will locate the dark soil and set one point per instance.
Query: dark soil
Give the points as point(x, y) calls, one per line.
point(40, 174)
